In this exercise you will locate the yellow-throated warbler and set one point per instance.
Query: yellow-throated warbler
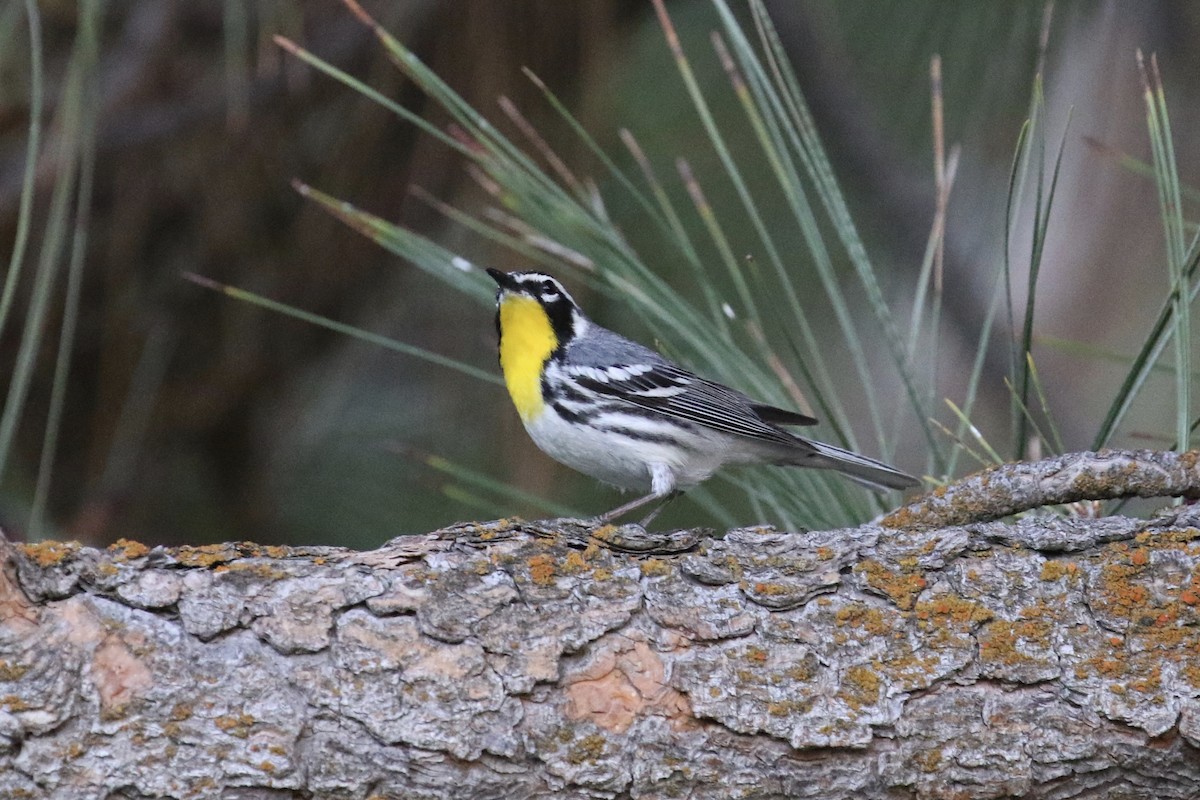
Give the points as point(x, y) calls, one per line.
point(619, 412)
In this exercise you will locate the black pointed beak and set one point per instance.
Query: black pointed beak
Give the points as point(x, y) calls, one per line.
point(502, 279)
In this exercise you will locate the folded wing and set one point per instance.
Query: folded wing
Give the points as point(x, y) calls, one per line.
point(675, 392)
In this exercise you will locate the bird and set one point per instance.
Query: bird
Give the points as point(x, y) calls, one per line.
point(622, 413)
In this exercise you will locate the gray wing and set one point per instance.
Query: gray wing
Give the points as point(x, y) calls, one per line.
point(616, 368)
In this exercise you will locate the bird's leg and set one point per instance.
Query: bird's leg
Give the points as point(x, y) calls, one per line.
point(658, 509)
point(662, 485)
point(625, 508)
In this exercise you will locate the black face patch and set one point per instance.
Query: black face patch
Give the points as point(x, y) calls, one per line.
point(560, 308)
point(540, 287)
point(561, 313)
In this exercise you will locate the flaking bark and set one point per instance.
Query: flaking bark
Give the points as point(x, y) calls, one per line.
point(1048, 657)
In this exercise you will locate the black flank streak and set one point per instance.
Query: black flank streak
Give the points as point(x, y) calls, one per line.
point(574, 417)
point(643, 436)
point(564, 391)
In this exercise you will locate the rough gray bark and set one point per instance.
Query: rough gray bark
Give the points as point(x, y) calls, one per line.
point(1049, 657)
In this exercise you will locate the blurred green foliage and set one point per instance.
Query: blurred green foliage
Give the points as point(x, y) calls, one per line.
point(190, 417)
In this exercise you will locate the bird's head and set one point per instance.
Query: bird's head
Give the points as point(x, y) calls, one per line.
point(532, 300)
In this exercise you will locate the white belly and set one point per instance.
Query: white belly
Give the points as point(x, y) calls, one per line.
point(623, 461)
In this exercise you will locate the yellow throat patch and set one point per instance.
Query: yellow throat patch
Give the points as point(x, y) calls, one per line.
point(526, 340)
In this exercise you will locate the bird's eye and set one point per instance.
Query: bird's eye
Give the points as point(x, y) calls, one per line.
point(547, 287)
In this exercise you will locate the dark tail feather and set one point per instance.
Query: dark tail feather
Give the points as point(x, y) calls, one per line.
point(862, 470)
point(781, 416)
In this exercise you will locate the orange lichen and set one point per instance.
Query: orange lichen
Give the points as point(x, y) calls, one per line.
point(756, 655)
point(604, 532)
point(771, 589)
point(1003, 641)
point(730, 563)
point(902, 587)
point(951, 610)
point(1054, 569)
point(1149, 681)
point(574, 563)
point(862, 617)
point(929, 761)
point(127, 549)
point(235, 725)
point(1191, 673)
point(49, 553)
point(15, 703)
point(541, 569)
point(206, 555)
point(786, 708)
point(258, 569)
point(12, 672)
point(899, 519)
point(654, 567)
point(1118, 594)
point(860, 686)
point(804, 671)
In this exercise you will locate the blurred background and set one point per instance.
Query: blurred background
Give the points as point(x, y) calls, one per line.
point(188, 416)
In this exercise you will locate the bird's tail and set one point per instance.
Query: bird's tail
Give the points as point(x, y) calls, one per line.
point(862, 470)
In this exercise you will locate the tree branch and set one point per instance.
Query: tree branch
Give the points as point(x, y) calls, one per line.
point(1012, 488)
point(1053, 656)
